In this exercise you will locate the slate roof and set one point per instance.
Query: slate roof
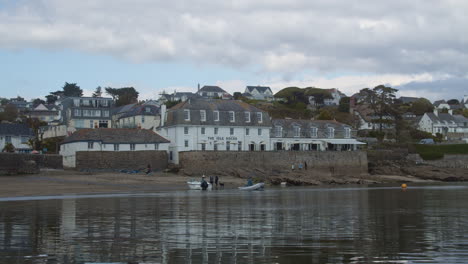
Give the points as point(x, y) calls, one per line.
point(141, 110)
point(441, 117)
point(261, 89)
point(212, 88)
point(306, 125)
point(122, 109)
point(15, 130)
point(115, 136)
point(439, 102)
point(460, 119)
point(175, 115)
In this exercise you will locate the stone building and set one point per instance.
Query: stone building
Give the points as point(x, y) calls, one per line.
point(311, 135)
point(110, 139)
point(215, 125)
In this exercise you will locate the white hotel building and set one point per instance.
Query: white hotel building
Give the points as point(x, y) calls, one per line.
point(214, 124)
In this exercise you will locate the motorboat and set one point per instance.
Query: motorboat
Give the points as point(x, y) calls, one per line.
point(196, 185)
point(255, 187)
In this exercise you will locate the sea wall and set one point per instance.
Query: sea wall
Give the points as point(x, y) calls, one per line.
point(330, 163)
point(19, 163)
point(129, 160)
point(448, 161)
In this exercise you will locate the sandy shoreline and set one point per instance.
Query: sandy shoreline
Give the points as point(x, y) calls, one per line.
point(64, 182)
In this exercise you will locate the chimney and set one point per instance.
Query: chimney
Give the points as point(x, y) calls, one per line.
point(163, 115)
point(198, 87)
point(436, 112)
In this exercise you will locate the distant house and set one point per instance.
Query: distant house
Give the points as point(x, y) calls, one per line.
point(177, 96)
point(110, 139)
point(335, 98)
point(311, 135)
point(86, 112)
point(138, 116)
point(447, 124)
point(211, 91)
point(441, 104)
point(258, 93)
point(368, 120)
point(46, 113)
point(16, 134)
point(21, 104)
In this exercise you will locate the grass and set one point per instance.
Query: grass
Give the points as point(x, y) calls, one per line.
point(433, 152)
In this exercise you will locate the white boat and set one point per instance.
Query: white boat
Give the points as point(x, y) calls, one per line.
point(196, 185)
point(258, 186)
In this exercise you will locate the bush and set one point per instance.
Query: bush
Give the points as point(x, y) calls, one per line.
point(431, 152)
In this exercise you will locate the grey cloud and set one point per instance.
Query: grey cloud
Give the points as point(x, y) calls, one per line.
point(451, 88)
point(276, 36)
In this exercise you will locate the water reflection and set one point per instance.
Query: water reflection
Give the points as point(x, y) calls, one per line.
point(294, 225)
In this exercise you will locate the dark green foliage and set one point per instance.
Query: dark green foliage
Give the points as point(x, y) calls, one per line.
point(453, 102)
point(344, 105)
point(8, 148)
point(98, 92)
point(50, 99)
point(237, 95)
point(10, 113)
point(52, 144)
point(431, 152)
point(421, 106)
point(170, 104)
point(123, 96)
point(37, 102)
point(325, 115)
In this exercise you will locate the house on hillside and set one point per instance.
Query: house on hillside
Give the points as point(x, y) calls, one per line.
point(110, 139)
point(311, 135)
point(258, 93)
point(16, 134)
point(449, 125)
point(86, 112)
point(334, 99)
point(176, 96)
point(368, 120)
point(441, 104)
point(213, 92)
point(137, 116)
point(46, 113)
point(215, 125)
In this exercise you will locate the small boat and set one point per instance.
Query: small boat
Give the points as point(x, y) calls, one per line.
point(258, 186)
point(196, 185)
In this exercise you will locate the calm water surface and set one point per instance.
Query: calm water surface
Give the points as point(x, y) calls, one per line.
point(426, 224)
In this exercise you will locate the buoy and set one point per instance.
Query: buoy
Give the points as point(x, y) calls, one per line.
point(404, 186)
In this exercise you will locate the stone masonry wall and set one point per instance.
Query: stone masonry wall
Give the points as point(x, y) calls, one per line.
point(449, 161)
point(129, 160)
point(349, 163)
point(18, 163)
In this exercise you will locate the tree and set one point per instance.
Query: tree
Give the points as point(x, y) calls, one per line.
point(237, 95)
point(37, 102)
point(10, 113)
point(98, 92)
point(465, 113)
point(325, 115)
point(3, 101)
point(8, 148)
point(453, 102)
point(69, 89)
point(50, 99)
point(421, 106)
point(380, 100)
point(344, 105)
point(123, 96)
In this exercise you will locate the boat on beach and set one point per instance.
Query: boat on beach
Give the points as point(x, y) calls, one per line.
point(255, 187)
point(196, 185)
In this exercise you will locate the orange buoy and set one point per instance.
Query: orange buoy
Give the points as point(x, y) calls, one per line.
point(404, 186)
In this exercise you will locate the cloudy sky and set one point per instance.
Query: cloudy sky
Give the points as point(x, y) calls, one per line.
point(418, 46)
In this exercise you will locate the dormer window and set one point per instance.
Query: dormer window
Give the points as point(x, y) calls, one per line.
point(297, 131)
point(331, 132)
point(202, 115)
point(147, 109)
point(347, 132)
point(231, 116)
point(313, 132)
point(216, 115)
point(259, 117)
point(247, 117)
point(278, 131)
point(187, 115)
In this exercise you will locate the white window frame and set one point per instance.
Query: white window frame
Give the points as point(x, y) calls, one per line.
point(297, 131)
point(231, 131)
point(203, 115)
point(186, 143)
point(216, 131)
point(313, 132)
point(347, 132)
point(247, 117)
point(278, 131)
point(186, 114)
point(216, 115)
point(260, 117)
point(90, 145)
point(259, 131)
point(247, 132)
point(116, 147)
point(203, 132)
point(132, 146)
point(186, 130)
point(331, 132)
point(156, 146)
point(232, 117)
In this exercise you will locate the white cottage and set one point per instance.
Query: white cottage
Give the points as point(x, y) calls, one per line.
point(16, 134)
point(215, 125)
point(110, 139)
point(258, 93)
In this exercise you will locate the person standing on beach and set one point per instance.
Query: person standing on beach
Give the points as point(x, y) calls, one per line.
point(216, 180)
point(211, 181)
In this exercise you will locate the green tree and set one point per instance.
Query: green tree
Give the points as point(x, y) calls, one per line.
point(325, 115)
point(344, 105)
point(123, 96)
point(69, 89)
point(98, 92)
point(8, 148)
point(10, 113)
point(421, 106)
point(37, 102)
point(453, 102)
point(380, 100)
point(237, 95)
point(50, 99)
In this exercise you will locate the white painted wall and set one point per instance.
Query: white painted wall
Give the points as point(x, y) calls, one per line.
point(17, 141)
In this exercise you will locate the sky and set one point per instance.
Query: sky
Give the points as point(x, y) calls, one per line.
point(419, 47)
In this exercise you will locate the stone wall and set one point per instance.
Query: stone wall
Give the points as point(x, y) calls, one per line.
point(449, 161)
point(331, 163)
point(18, 163)
point(129, 160)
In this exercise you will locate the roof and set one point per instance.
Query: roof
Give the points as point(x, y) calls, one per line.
point(306, 125)
point(261, 89)
point(116, 136)
point(212, 88)
point(439, 102)
point(141, 110)
point(16, 130)
point(175, 115)
point(441, 117)
point(123, 109)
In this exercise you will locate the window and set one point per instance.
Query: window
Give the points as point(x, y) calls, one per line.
point(91, 124)
point(86, 102)
point(103, 102)
point(132, 146)
point(24, 140)
point(203, 146)
point(86, 113)
point(142, 119)
point(77, 112)
point(297, 131)
point(76, 102)
point(278, 131)
point(202, 115)
point(7, 139)
point(347, 132)
point(79, 124)
point(247, 117)
point(228, 145)
point(156, 146)
point(186, 130)
point(90, 145)
point(116, 147)
point(259, 117)
point(259, 131)
point(215, 147)
point(203, 131)
point(216, 131)
point(186, 143)
point(247, 131)
point(105, 113)
point(239, 146)
point(187, 115)
point(231, 131)
point(231, 116)
point(216, 115)
point(313, 132)
point(147, 109)
point(331, 132)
